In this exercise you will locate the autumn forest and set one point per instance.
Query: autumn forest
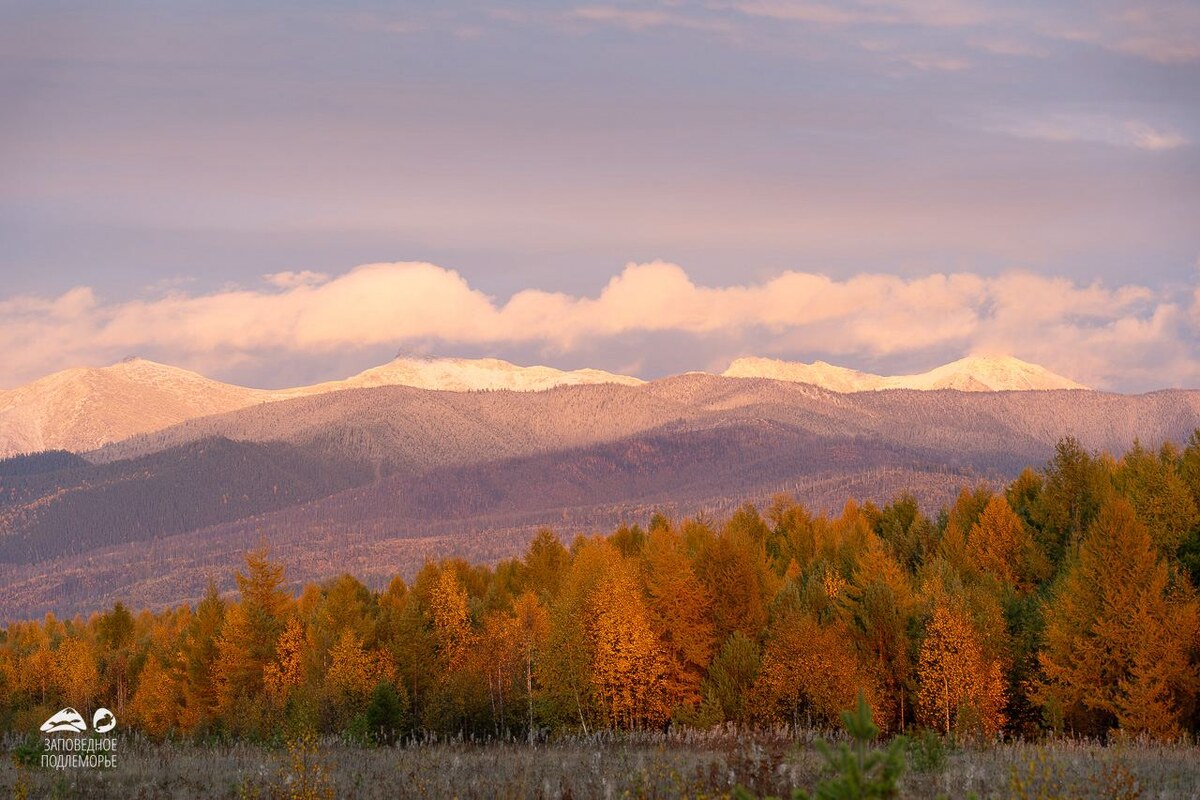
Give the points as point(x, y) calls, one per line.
point(1064, 603)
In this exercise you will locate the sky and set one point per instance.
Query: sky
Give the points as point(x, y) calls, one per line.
point(280, 193)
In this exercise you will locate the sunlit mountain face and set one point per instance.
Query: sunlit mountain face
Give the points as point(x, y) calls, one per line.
point(480, 453)
point(971, 374)
point(84, 408)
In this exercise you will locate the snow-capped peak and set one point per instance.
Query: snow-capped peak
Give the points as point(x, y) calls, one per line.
point(991, 373)
point(970, 374)
point(818, 373)
point(84, 408)
point(464, 375)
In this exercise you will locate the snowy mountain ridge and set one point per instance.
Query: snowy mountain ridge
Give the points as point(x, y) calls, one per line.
point(83, 408)
point(970, 374)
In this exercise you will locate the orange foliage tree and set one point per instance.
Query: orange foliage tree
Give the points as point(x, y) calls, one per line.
point(247, 641)
point(878, 605)
point(157, 701)
point(680, 610)
point(809, 671)
point(1119, 635)
point(957, 684)
point(1000, 545)
point(629, 669)
point(287, 670)
point(957, 624)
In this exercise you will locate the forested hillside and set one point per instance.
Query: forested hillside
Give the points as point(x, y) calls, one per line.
point(420, 429)
point(376, 480)
point(1065, 602)
point(53, 505)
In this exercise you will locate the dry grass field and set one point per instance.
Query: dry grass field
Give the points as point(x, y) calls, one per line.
point(708, 765)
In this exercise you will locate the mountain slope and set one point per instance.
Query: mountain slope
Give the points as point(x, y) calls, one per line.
point(819, 373)
point(418, 429)
point(487, 510)
point(83, 409)
point(85, 508)
point(385, 473)
point(970, 374)
point(466, 375)
point(421, 429)
point(985, 374)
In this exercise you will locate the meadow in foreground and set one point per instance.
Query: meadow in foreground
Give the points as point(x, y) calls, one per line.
point(712, 764)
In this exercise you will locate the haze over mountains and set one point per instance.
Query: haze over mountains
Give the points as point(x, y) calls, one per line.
point(371, 478)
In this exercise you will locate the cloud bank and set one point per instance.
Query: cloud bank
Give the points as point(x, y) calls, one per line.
point(1124, 337)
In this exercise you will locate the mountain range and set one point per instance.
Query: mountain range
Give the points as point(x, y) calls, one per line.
point(373, 479)
point(86, 408)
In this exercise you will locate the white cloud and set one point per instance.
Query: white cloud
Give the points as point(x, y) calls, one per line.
point(1147, 138)
point(933, 61)
point(1091, 332)
point(1093, 128)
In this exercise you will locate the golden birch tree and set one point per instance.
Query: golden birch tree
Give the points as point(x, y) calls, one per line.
point(955, 677)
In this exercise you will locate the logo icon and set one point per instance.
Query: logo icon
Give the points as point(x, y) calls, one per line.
point(103, 721)
point(66, 721)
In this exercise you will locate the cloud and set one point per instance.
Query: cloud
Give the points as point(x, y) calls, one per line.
point(641, 20)
point(287, 280)
point(1091, 332)
point(815, 13)
point(923, 61)
point(928, 13)
point(932, 61)
point(1163, 31)
point(1166, 32)
point(1095, 129)
point(1146, 138)
point(1009, 46)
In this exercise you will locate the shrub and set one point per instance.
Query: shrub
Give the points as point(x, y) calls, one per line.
point(387, 714)
point(927, 751)
point(860, 773)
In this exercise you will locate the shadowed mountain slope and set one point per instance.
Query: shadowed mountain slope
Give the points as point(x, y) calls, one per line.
point(365, 470)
